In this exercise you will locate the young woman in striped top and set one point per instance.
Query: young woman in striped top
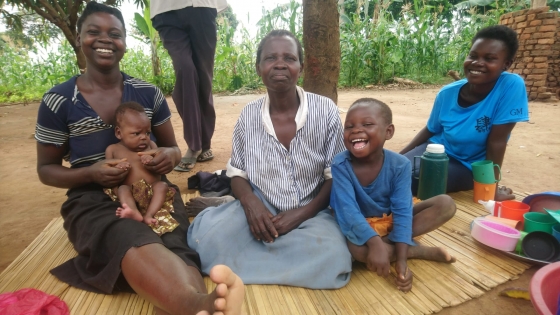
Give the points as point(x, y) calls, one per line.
point(279, 230)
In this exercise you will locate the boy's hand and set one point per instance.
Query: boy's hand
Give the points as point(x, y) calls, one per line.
point(378, 256)
point(404, 276)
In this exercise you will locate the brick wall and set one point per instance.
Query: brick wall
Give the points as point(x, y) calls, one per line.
point(538, 57)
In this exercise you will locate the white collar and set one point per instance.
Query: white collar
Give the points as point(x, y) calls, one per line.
point(301, 115)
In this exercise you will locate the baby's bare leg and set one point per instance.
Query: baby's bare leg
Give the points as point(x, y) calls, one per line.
point(158, 198)
point(128, 205)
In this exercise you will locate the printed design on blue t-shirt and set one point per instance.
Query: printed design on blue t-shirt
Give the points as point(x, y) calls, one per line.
point(516, 112)
point(483, 124)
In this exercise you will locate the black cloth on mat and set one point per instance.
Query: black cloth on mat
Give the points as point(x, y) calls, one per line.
point(210, 184)
point(102, 239)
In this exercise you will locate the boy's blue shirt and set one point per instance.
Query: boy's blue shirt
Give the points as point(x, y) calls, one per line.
point(464, 131)
point(389, 193)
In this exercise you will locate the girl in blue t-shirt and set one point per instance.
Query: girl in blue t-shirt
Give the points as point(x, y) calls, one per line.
point(473, 118)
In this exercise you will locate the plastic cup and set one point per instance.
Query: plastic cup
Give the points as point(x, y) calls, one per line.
point(536, 221)
point(556, 231)
point(513, 210)
point(483, 192)
point(483, 172)
point(518, 247)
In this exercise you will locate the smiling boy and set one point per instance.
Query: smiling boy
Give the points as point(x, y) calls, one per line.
point(372, 200)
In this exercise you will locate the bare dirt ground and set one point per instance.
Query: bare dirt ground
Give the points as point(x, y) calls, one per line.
point(532, 164)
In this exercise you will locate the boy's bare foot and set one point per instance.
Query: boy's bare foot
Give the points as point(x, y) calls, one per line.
point(423, 252)
point(127, 212)
point(230, 291)
point(430, 253)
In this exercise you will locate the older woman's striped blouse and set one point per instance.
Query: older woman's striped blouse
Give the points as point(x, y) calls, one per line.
point(287, 178)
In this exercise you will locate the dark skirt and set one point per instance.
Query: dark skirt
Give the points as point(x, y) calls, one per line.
point(102, 239)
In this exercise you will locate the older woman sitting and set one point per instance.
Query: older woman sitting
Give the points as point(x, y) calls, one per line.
point(279, 230)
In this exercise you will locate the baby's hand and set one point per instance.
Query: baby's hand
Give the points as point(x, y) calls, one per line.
point(378, 256)
point(404, 276)
point(146, 159)
point(123, 164)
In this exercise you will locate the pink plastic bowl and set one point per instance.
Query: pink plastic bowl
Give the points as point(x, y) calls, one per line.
point(545, 289)
point(494, 234)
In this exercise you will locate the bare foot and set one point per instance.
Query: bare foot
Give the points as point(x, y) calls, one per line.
point(230, 291)
point(150, 220)
point(196, 205)
point(430, 253)
point(423, 252)
point(127, 212)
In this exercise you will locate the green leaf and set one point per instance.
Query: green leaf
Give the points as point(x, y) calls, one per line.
point(142, 25)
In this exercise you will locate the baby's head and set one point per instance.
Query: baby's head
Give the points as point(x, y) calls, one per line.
point(279, 59)
point(368, 124)
point(132, 126)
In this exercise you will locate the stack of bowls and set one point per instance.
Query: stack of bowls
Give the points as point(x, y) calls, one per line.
point(495, 234)
point(539, 242)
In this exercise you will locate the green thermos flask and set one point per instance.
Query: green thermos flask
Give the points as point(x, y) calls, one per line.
point(432, 179)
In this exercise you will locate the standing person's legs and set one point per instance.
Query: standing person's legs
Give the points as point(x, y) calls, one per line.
point(202, 26)
point(173, 28)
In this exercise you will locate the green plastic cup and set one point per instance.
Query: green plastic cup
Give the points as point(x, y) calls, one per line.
point(483, 172)
point(537, 221)
point(518, 248)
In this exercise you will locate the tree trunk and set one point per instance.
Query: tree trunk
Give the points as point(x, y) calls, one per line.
point(64, 20)
point(321, 41)
point(156, 64)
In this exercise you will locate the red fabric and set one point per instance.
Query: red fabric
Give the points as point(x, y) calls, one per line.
point(31, 302)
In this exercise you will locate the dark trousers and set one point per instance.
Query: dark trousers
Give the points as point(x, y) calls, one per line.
point(189, 35)
point(459, 177)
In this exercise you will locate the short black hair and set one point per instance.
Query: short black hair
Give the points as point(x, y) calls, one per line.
point(279, 33)
point(124, 107)
point(94, 7)
point(386, 112)
point(503, 33)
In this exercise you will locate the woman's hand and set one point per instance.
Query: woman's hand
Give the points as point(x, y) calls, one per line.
point(162, 162)
point(259, 219)
point(107, 174)
point(286, 221)
point(404, 276)
point(378, 256)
